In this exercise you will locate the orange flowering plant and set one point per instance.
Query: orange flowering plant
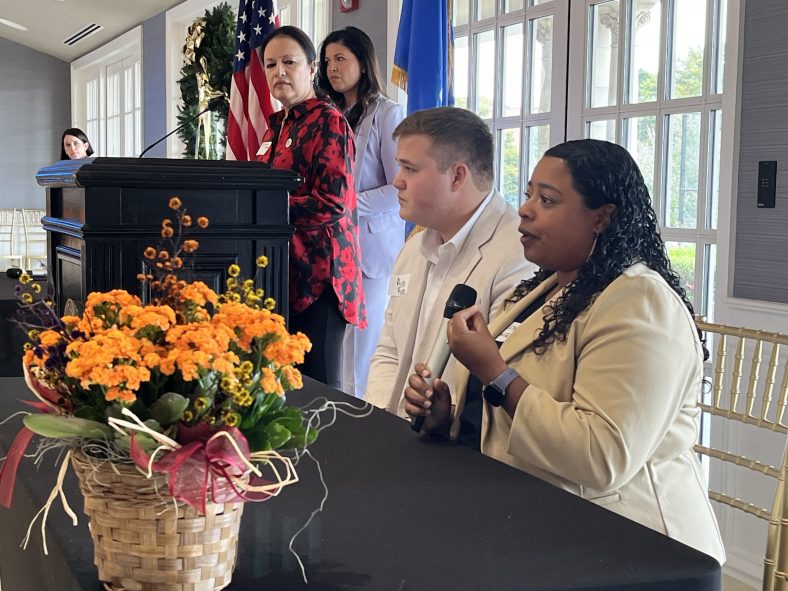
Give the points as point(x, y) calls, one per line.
point(188, 364)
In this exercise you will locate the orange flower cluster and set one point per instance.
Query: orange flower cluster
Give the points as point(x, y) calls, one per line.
point(224, 354)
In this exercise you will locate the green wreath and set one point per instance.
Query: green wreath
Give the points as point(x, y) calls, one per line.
point(207, 69)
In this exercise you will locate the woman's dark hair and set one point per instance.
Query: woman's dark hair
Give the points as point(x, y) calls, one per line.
point(370, 86)
point(299, 37)
point(80, 135)
point(603, 172)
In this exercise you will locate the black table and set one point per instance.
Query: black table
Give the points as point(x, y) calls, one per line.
point(403, 513)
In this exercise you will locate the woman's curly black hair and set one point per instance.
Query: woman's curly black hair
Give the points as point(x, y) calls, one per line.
point(603, 172)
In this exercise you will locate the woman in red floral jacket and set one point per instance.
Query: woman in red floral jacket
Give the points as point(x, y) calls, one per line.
point(312, 138)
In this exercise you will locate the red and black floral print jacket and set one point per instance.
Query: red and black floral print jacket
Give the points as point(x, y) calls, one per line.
point(315, 141)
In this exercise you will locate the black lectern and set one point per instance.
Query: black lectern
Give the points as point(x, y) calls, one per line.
point(103, 212)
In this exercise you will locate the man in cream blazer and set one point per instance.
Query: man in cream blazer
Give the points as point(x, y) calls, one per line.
point(610, 413)
point(445, 185)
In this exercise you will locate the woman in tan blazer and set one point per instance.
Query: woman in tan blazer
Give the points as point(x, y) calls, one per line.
point(589, 379)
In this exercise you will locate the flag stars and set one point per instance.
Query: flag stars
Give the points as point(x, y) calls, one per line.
point(258, 30)
point(242, 37)
point(240, 56)
point(272, 19)
point(243, 17)
point(261, 12)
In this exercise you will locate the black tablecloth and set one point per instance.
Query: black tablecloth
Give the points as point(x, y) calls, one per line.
point(403, 513)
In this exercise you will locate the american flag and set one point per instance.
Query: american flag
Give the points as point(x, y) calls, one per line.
point(250, 98)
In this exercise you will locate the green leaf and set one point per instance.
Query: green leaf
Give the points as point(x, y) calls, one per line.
point(291, 423)
point(147, 443)
point(90, 413)
point(302, 439)
point(59, 426)
point(258, 440)
point(169, 408)
point(278, 434)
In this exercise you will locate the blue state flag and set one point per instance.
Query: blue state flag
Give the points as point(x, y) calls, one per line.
point(423, 55)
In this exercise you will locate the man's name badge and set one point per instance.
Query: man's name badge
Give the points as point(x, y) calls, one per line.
point(501, 338)
point(399, 285)
point(264, 147)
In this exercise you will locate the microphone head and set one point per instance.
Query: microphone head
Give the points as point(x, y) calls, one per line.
point(461, 297)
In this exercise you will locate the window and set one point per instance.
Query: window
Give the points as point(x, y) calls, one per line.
point(649, 77)
point(107, 97)
point(312, 16)
point(123, 120)
point(509, 68)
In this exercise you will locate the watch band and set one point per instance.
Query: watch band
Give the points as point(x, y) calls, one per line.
point(495, 391)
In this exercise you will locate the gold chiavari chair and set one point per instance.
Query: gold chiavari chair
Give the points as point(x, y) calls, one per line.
point(35, 238)
point(737, 357)
point(8, 237)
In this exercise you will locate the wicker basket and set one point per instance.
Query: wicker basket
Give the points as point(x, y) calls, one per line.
point(143, 543)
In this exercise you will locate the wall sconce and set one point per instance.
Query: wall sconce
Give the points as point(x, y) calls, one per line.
point(347, 5)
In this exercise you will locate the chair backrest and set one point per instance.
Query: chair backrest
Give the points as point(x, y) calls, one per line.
point(35, 236)
point(8, 235)
point(31, 220)
point(737, 356)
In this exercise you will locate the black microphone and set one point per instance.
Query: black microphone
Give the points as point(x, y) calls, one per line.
point(213, 104)
point(461, 297)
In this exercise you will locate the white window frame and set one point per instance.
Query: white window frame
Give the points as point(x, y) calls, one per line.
point(127, 50)
point(579, 115)
point(556, 116)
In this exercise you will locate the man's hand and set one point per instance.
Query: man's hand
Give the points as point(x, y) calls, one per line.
point(430, 398)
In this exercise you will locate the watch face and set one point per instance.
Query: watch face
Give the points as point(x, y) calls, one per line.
point(493, 395)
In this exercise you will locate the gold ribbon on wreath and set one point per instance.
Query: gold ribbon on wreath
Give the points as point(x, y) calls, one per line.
point(194, 36)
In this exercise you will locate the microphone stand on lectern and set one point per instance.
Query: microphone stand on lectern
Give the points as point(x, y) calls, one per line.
point(212, 105)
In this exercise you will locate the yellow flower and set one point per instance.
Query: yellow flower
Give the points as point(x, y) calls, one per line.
point(230, 418)
point(233, 270)
point(269, 303)
point(202, 221)
point(186, 220)
point(174, 203)
point(262, 261)
point(149, 253)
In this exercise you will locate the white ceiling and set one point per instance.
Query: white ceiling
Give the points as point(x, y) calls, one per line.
point(50, 22)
